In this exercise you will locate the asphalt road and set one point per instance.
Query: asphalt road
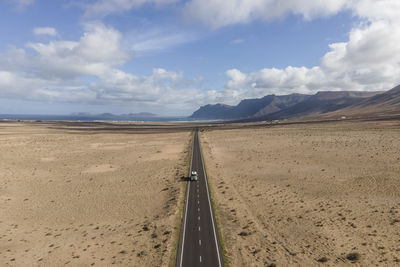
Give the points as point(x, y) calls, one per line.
point(199, 243)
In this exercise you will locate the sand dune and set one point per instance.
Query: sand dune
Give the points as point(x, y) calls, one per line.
point(308, 195)
point(81, 199)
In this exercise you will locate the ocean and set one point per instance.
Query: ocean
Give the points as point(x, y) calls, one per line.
point(5, 117)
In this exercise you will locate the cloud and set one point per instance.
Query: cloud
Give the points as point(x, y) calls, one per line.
point(157, 39)
point(219, 13)
point(374, 10)
point(97, 50)
point(274, 81)
point(237, 41)
point(21, 4)
point(107, 7)
point(45, 31)
point(369, 60)
point(88, 71)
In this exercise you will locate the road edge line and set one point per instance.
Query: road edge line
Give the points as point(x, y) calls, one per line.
point(184, 218)
point(216, 232)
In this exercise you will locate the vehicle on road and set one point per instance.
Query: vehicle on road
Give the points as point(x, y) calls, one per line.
point(193, 176)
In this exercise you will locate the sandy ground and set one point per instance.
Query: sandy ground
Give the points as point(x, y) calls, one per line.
point(308, 195)
point(84, 198)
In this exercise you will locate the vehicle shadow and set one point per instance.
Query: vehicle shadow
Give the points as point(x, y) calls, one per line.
point(184, 179)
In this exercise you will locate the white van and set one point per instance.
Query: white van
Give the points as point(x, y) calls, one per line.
point(193, 176)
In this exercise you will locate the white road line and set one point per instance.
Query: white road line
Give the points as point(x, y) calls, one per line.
point(200, 258)
point(209, 204)
point(198, 202)
point(198, 196)
point(184, 224)
point(198, 218)
point(199, 228)
point(198, 209)
point(199, 242)
point(187, 201)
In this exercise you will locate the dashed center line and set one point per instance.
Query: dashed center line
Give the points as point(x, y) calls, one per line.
point(189, 259)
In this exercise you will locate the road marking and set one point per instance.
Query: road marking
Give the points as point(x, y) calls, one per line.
point(209, 204)
point(200, 242)
point(198, 209)
point(198, 218)
point(199, 228)
point(198, 202)
point(187, 201)
point(200, 258)
point(198, 196)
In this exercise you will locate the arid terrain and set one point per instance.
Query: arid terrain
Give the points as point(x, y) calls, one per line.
point(323, 194)
point(307, 195)
point(84, 198)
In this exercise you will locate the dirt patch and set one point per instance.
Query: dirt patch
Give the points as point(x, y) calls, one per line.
point(89, 198)
point(302, 195)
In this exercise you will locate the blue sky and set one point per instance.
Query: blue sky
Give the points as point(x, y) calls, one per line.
point(170, 56)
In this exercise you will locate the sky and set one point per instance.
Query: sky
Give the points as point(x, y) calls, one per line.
point(170, 57)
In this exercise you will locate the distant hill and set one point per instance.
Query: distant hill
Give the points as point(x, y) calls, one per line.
point(217, 111)
point(142, 114)
point(249, 107)
point(274, 107)
point(114, 116)
point(321, 103)
point(385, 103)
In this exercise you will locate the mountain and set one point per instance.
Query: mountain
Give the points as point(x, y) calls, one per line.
point(141, 114)
point(321, 103)
point(249, 107)
point(218, 111)
point(113, 116)
point(386, 103)
point(274, 107)
point(281, 103)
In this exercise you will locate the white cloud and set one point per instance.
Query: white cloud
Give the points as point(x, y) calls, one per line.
point(21, 4)
point(374, 10)
point(87, 71)
point(106, 7)
point(369, 60)
point(97, 50)
point(219, 13)
point(274, 81)
point(237, 41)
point(157, 39)
point(45, 31)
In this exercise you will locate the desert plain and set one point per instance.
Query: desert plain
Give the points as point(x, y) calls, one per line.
point(86, 196)
point(307, 195)
point(315, 194)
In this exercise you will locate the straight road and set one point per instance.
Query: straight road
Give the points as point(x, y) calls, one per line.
point(199, 243)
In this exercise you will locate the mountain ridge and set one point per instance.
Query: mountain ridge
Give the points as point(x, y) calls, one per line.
point(273, 107)
point(248, 107)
